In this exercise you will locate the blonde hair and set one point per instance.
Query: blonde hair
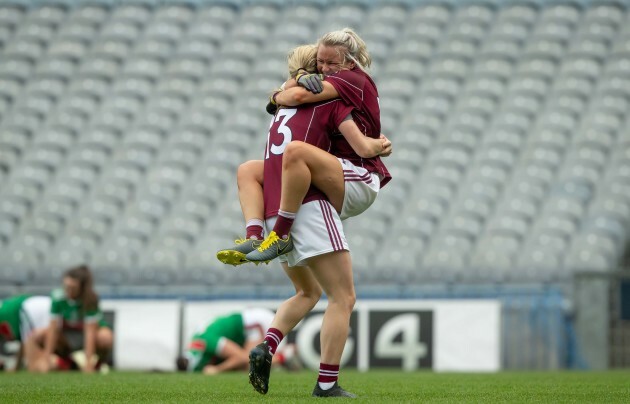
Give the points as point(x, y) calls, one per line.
point(355, 48)
point(303, 57)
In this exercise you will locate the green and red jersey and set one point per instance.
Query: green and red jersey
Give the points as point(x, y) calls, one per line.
point(205, 346)
point(10, 317)
point(71, 313)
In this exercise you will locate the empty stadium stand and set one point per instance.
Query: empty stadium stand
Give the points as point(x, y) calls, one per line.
point(122, 124)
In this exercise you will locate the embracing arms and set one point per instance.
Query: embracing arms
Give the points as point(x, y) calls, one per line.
point(364, 146)
point(295, 95)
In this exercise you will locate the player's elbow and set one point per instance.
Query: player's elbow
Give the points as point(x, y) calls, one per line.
point(366, 153)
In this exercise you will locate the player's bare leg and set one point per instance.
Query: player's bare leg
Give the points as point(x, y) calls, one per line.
point(334, 272)
point(302, 165)
point(289, 314)
point(307, 294)
point(249, 178)
point(104, 345)
point(35, 355)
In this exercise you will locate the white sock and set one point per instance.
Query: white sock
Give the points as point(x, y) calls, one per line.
point(326, 386)
point(288, 215)
point(254, 222)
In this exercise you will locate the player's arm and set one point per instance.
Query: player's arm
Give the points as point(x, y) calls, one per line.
point(234, 358)
point(293, 96)
point(34, 351)
point(289, 84)
point(52, 337)
point(364, 146)
point(89, 341)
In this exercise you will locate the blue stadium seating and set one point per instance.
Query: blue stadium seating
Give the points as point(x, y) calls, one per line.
point(509, 122)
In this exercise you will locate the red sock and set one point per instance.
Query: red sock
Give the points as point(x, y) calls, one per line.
point(328, 373)
point(255, 232)
point(254, 229)
point(284, 223)
point(274, 338)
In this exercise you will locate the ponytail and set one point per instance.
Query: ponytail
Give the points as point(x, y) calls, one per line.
point(87, 295)
point(303, 57)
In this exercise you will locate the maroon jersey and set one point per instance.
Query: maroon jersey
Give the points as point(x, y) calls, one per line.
point(310, 123)
point(357, 89)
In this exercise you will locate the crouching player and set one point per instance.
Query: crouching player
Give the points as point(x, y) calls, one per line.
point(76, 325)
point(225, 343)
point(22, 319)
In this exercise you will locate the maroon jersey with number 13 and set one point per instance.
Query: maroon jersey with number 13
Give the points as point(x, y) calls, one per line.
point(310, 123)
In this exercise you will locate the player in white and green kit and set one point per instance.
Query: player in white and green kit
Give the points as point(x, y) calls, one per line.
point(225, 343)
point(21, 317)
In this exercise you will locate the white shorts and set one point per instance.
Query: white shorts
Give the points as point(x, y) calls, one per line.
point(35, 314)
point(317, 230)
point(361, 189)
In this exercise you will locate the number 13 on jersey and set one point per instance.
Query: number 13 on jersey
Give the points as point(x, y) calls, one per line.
point(283, 115)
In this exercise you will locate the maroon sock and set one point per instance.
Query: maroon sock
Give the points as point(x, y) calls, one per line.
point(274, 338)
point(255, 232)
point(328, 373)
point(284, 223)
point(254, 229)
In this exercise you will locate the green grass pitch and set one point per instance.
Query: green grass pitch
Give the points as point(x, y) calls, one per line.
point(373, 387)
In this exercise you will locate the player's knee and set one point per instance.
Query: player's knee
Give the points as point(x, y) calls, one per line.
point(104, 338)
point(312, 293)
point(248, 172)
point(345, 301)
point(351, 301)
point(293, 153)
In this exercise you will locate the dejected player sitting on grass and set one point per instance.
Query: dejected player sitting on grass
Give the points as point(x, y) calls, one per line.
point(225, 343)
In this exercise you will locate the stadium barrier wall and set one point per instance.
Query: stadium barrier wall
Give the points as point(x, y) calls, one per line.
point(440, 335)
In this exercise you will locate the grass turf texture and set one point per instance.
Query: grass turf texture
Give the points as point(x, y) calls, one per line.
point(374, 387)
